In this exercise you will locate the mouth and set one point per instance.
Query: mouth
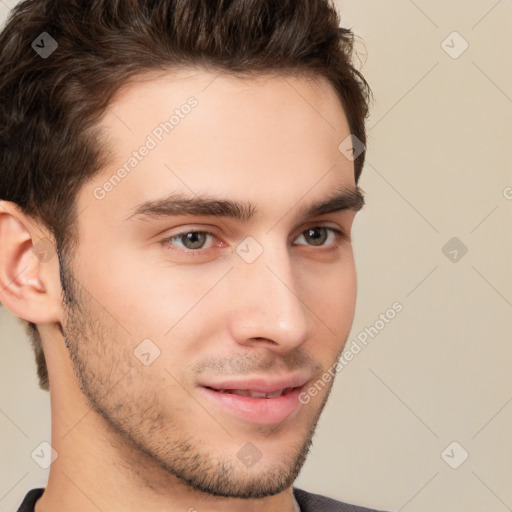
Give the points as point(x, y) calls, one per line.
point(258, 401)
point(254, 394)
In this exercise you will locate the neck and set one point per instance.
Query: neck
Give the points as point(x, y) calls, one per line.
point(94, 471)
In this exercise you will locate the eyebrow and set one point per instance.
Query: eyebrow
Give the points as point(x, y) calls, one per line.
point(178, 204)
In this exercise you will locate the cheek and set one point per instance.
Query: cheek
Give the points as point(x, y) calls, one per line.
point(334, 295)
point(177, 308)
point(145, 299)
point(159, 300)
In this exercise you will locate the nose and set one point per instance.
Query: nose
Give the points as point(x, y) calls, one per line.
point(267, 305)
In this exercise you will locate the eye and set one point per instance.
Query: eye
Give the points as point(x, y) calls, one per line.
point(191, 240)
point(319, 234)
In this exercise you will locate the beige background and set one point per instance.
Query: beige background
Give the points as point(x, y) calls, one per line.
point(438, 163)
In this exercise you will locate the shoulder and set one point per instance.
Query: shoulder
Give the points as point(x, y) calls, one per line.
point(310, 502)
point(30, 500)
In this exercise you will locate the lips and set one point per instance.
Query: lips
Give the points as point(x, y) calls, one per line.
point(254, 393)
point(264, 386)
point(257, 400)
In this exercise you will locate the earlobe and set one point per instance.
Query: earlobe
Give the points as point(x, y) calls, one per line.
point(29, 269)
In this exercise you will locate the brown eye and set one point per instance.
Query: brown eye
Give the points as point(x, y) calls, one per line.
point(317, 236)
point(191, 240)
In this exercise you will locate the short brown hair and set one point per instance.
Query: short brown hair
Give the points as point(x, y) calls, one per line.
point(50, 107)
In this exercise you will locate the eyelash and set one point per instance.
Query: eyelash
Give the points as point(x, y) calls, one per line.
point(340, 236)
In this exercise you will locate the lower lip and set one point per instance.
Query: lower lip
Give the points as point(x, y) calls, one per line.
point(262, 411)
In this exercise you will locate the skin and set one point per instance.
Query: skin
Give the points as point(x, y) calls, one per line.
point(131, 437)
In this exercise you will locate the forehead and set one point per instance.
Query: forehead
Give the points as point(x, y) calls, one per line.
point(197, 131)
point(163, 90)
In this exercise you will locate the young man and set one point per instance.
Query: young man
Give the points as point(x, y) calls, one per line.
point(178, 186)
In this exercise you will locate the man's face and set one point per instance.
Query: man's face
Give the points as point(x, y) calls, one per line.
point(170, 329)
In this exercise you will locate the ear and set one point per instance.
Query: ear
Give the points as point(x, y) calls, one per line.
point(29, 268)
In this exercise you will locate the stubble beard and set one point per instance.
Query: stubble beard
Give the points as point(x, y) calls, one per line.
point(148, 438)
